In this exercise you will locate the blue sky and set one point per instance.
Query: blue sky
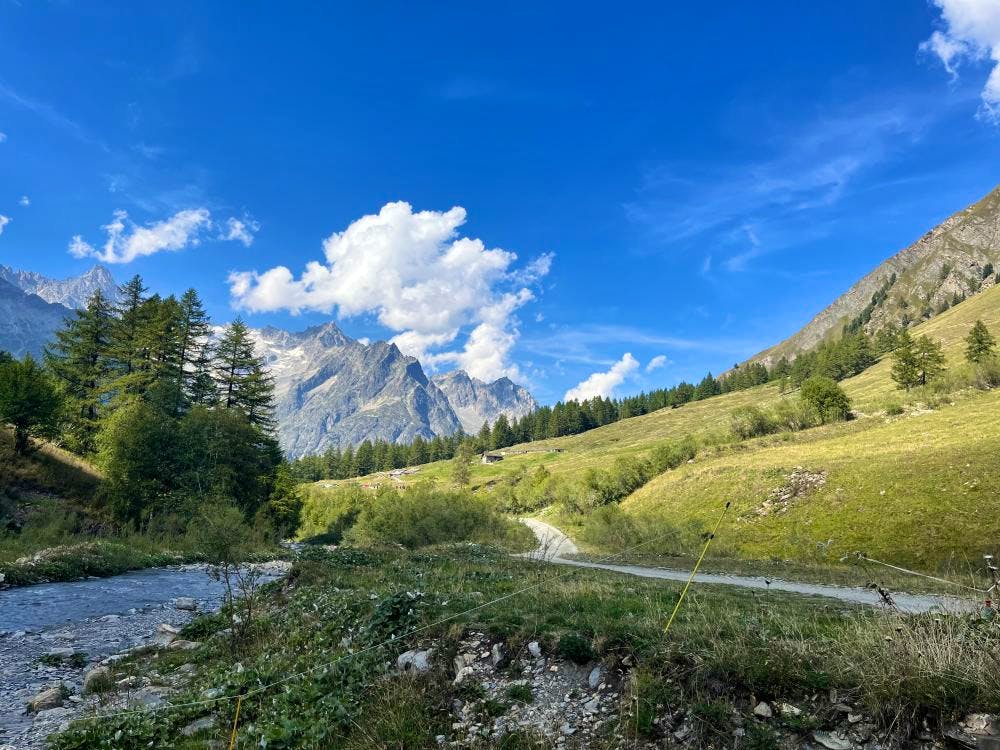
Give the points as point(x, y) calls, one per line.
point(680, 186)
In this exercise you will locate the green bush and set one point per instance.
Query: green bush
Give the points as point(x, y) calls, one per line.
point(826, 398)
point(327, 514)
point(575, 648)
point(423, 515)
point(750, 421)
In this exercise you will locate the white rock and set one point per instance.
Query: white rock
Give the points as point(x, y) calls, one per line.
point(182, 645)
point(49, 698)
point(832, 740)
point(535, 649)
point(595, 677)
point(763, 710)
point(787, 709)
point(416, 661)
point(203, 724)
point(185, 603)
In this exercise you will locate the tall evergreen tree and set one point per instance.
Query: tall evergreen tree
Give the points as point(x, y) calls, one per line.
point(904, 370)
point(242, 380)
point(979, 344)
point(79, 358)
point(196, 352)
point(929, 359)
point(126, 335)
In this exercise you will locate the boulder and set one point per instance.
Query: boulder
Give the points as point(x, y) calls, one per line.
point(594, 678)
point(181, 645)
point(415, 661)
point(832, 740)
point(535, 649)
point(52, 697)
point(763, 710)
point(204, 724)
point(185, 603)
point(165, 634)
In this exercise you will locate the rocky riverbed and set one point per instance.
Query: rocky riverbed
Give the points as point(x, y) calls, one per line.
point(53, 635)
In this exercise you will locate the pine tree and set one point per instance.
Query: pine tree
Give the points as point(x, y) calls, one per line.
point(980, 343)
point(905, 371)
point(929, 359)
point(125, 350)
point(196, 352)
point(502, 436)
point(241, 377)
point(79, 360)
point(484, 437)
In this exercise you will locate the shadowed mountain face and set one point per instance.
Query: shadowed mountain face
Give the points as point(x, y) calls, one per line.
point(334, 391)
point(956, 259)
point(27, 322)
point(475, 401)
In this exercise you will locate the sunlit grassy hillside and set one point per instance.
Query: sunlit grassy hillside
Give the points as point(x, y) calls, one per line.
point(921, 486)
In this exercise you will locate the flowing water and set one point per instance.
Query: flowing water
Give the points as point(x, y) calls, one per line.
point(96, 618)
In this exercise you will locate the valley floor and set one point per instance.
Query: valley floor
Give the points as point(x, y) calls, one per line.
point(465, 646)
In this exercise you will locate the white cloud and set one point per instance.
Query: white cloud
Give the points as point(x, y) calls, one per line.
point(128, 241)
point(25, 201)
point(656, 362)
point(4, 221)
point(604, 383)
point(3, 137)
point(241, 230)
point(971, 34)
point(419, 277)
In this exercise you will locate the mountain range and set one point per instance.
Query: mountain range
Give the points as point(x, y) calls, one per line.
point(954, 260)
point(33, 306)
point(334, 391)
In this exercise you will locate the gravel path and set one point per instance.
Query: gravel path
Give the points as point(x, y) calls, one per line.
point(554, 545)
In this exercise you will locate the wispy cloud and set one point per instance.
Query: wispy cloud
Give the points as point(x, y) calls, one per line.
point(743, 211)
point(581, 344)
point(4, 221)
point(51, 115)
point(24, 201)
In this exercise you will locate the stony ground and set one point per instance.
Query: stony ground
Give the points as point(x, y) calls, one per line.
point(43, 673)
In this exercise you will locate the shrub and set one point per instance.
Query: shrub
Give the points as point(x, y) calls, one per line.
point(327, 514)
point(750, 421)
point(826, 398)
point(793, 414)
point(673, 454)
point(424, 515)
point(575, 648)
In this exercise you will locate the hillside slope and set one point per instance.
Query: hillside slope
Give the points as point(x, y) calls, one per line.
point(919, 281)
point(918, 487)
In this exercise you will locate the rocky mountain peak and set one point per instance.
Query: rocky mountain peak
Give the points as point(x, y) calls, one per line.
point(956, 259)
point(476, 401)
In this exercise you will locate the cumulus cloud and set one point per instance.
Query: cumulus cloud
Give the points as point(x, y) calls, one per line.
point(971, 34)
point(24, 201)
point(656, 362)
point(604, 383)
point(242, 230)
point(4, 221)
point(127, 240)
point(419, 277)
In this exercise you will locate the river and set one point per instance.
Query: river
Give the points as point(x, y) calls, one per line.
point(96, 618)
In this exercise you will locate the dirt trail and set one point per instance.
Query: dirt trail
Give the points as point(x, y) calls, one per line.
point(554, 545)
